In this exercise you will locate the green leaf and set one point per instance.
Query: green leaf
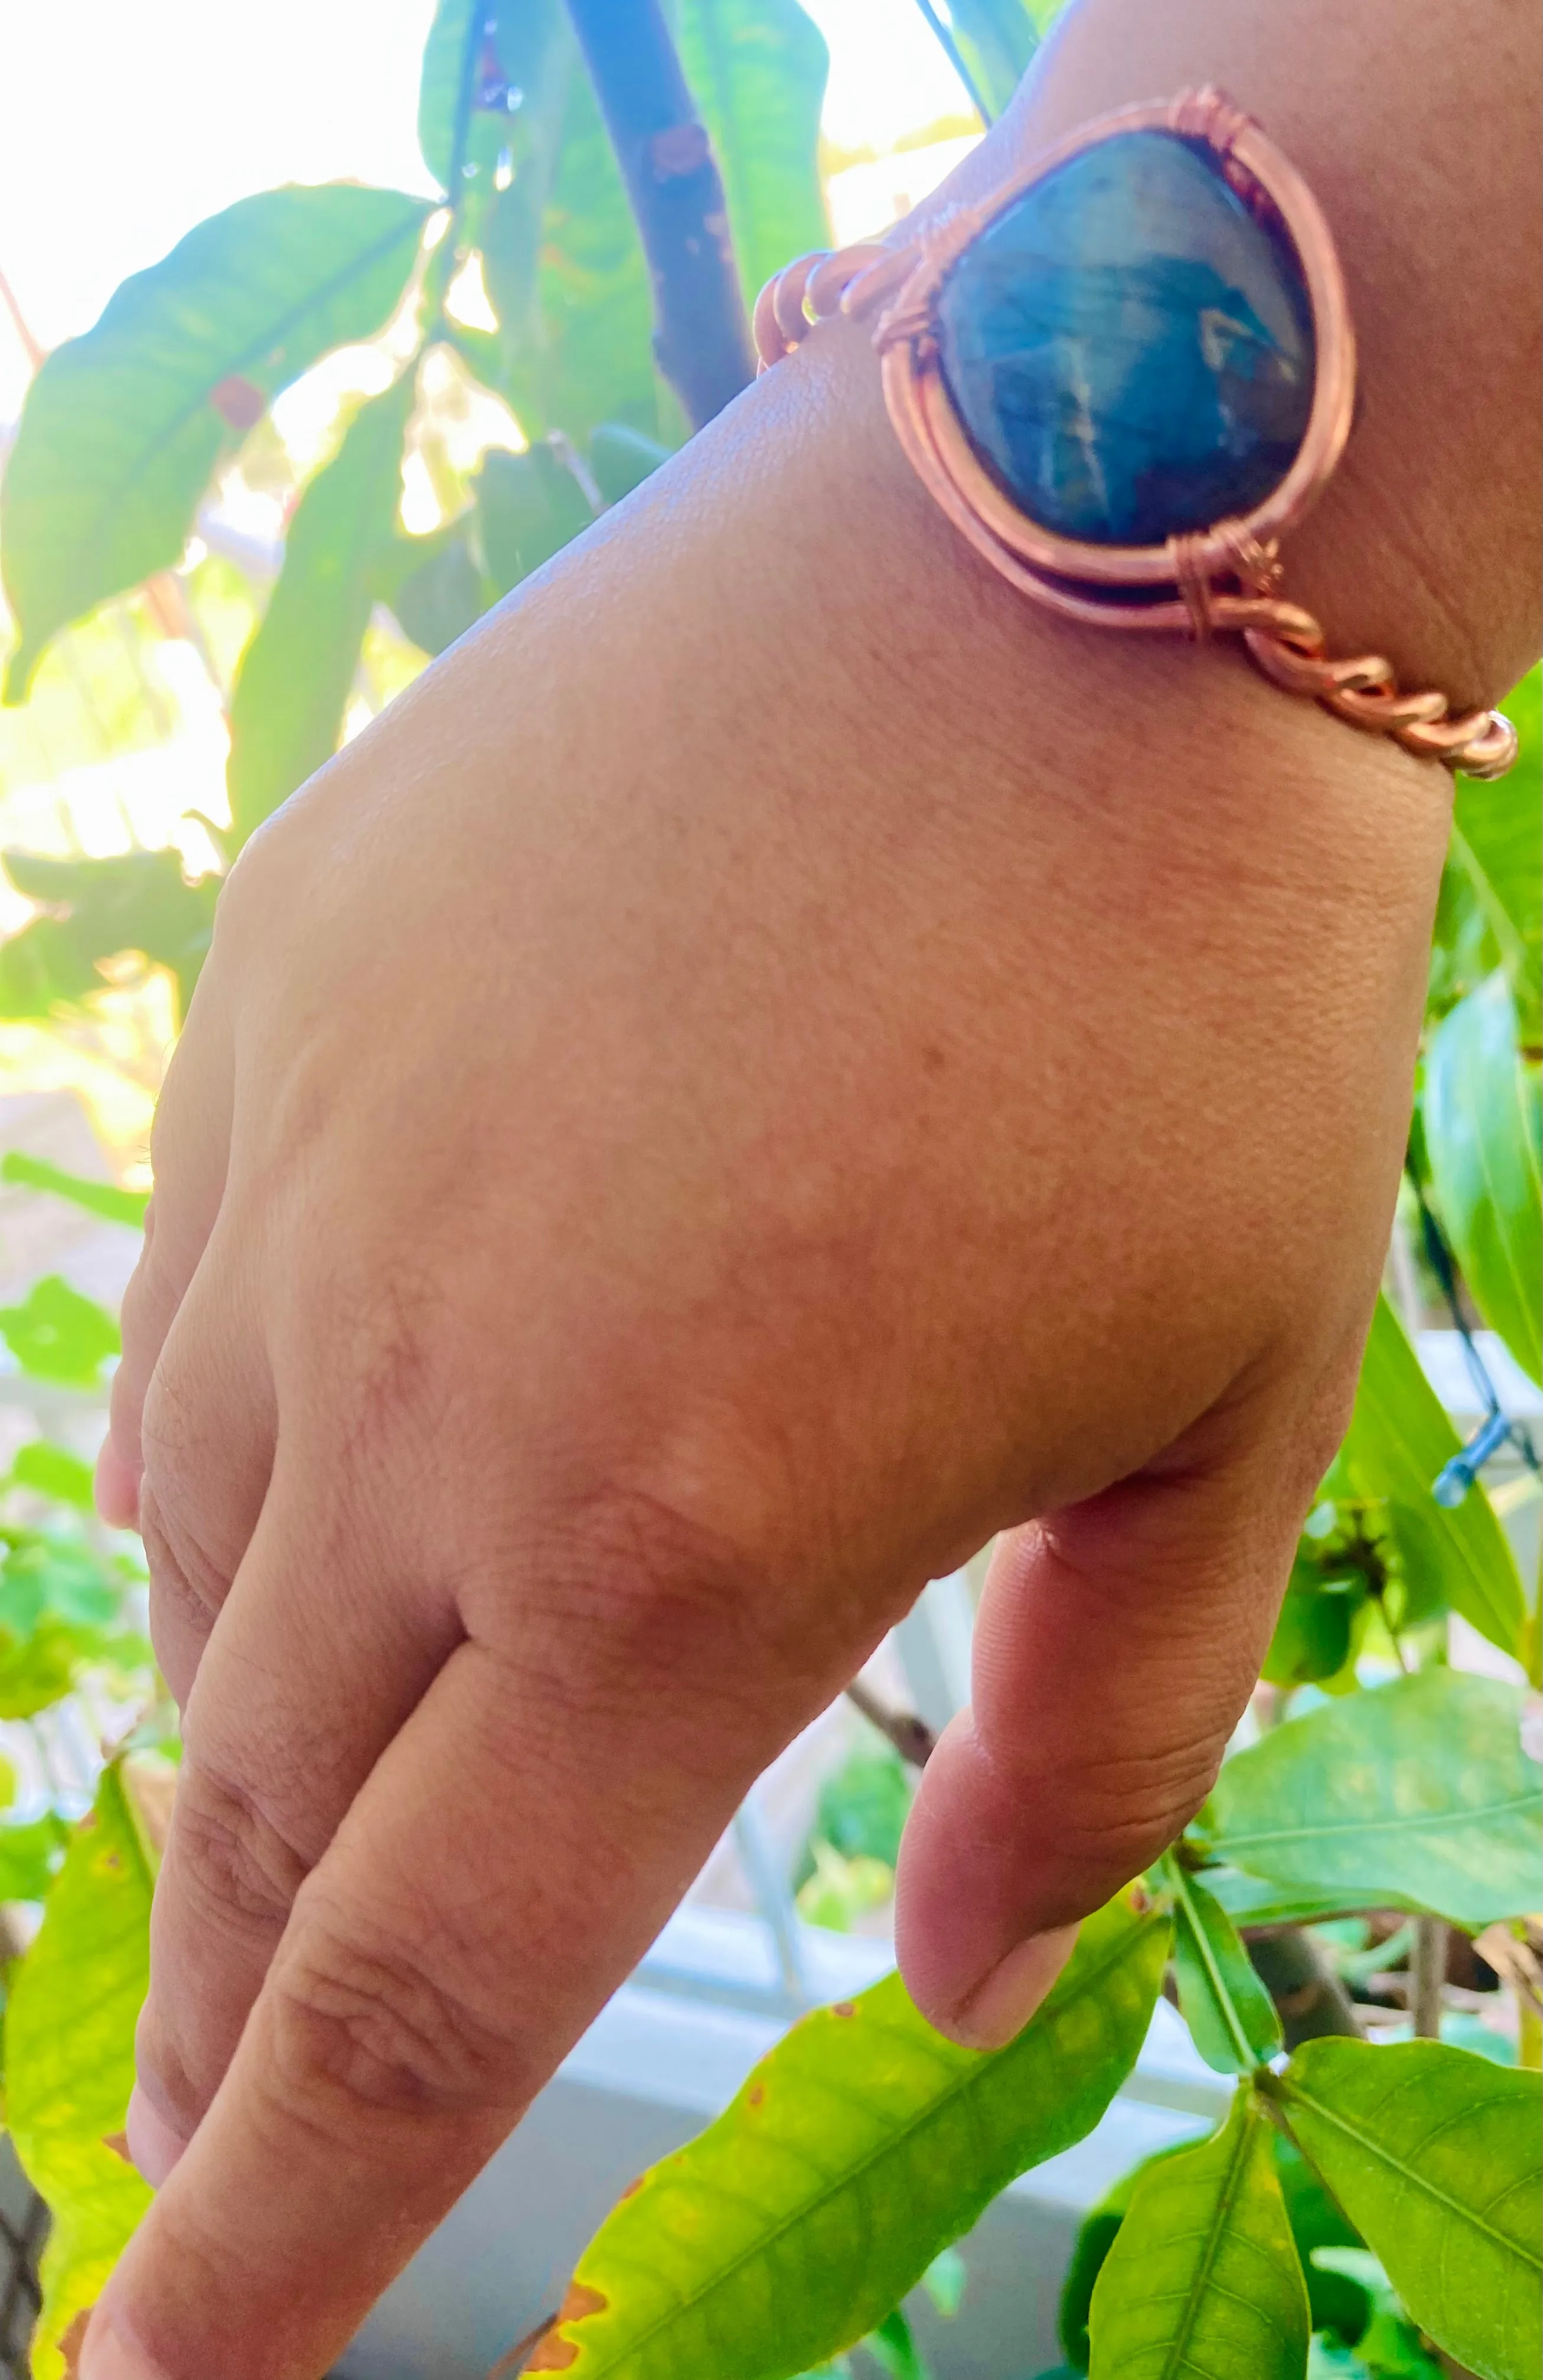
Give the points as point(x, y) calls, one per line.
point(439, 594)
point(563, 263)
point(944, 2282)
point(449, 79)
point(53, 1471)
point(1479, 1108)
point(1254, 1900)
point(97, 1198)
point(529, 507)
point(893, 2348)
point(1204, 2277)
point(621, 459)
point(98, 908)
point(69, 2061)
point(61, 1609)
point(1337, 2300)
point(1437, 2158)
point(1230, 2016)
point(1334, 2301)
point(859, 2148)
point(287, 708)
point(56, 1334)
point(997, 38)
point(1095, 2234)
point(1315, 1626)
point(1399, 1440)
point(30, 1857)
point(122, 427)
point(1418, 1790)
point(1498, 845)
point(757, 70)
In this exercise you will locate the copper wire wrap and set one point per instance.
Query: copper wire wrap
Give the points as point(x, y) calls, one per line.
point(1227, 579)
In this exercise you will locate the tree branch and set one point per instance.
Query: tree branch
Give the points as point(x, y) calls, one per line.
point(911, 1736)
point(701, 332)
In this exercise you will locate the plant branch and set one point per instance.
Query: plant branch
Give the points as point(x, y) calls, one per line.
point(1428, 1972)
point(911, 1736)
point(701, 332)
point(1309, 2000)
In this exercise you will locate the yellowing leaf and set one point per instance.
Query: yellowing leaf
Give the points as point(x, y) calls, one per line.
point(69, 2061)
point(858, 2149)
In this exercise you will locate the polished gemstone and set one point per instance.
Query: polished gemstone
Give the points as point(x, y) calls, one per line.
point(1129, 349)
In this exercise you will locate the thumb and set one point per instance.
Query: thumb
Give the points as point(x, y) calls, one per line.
point(1117, 1643)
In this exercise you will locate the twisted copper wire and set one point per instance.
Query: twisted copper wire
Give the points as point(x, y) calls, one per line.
point(1285, 642)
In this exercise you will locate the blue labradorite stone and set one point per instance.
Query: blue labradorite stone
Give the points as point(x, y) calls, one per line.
point(1130, 351)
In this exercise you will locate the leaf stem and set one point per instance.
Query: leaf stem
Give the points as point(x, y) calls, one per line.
point(701, 331)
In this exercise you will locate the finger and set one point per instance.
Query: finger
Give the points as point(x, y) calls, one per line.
point(1117, 1644)
point(207, 1435)
point(189, 1148)
point(297, 1695)
point(493, 1882)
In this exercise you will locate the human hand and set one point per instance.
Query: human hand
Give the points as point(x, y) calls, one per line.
point(744, 1084)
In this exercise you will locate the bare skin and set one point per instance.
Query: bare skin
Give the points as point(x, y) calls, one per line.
point(771, 1064)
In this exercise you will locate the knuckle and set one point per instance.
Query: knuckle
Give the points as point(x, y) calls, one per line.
point(231, 1861)
point(628, 1593)
point(188, 1587)
point(359, 2020)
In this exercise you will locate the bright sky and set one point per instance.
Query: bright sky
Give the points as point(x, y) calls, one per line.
point(122, 126)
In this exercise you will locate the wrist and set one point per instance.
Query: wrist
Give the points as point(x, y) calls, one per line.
point(1425, 545)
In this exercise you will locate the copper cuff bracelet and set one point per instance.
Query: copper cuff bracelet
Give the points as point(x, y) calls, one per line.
point(1148, 318)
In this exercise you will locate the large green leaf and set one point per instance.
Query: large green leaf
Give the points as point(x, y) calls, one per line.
point(856, 2150)
point(95, 909)
point(1436, 2157)
point(287, 708)
point(122, 427)
point(757, 70)
point(1419, 1789)
point(1479, 1108)
point(69, 2061)
point(1203, 2279)
point(1497, 849)
point(997, 38)
point(1230, 2016)
point(1399, 1441)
